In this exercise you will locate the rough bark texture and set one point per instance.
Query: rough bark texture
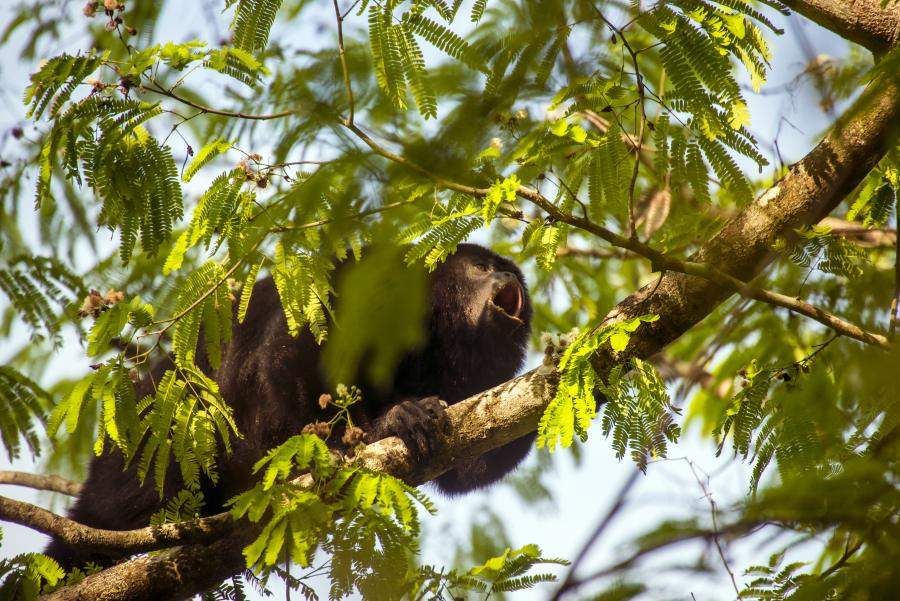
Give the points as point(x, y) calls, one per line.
point(39, 482)
point(811, 189)
point(862, 21)
point(132, 541)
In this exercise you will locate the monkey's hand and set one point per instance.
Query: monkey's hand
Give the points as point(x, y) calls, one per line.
point(419, 423)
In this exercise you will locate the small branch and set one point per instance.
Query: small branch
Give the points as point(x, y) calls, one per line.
point(895, 303)
point(51, 483)
point(714, 512)
point(595, 253)
point(875, 237)
point(777, 299)
point(141, 540)
point(341, 53)
point(736, 528)
point(595, 535)
point(845, 557)
point(158, 89)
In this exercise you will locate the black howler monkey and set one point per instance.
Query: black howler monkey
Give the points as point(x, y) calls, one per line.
point(477, 330)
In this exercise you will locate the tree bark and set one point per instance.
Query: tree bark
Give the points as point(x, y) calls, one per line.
point(862, 21)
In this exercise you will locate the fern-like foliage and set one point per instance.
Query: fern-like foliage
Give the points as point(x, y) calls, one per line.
point(222, 211)
point(252, 23)
point(508, 572)
point(877, 199)
point(304, 286)
point(434, 237)
point(186, 505)
point(186, 419)
point(637, 412)
point(24, 577)
point(38, 289)
point(56, 81)
point(111, 388)
point(204, 301)
point(110, 324)
point(138, 181)
point(398, 59)
point(22, 402)
point(299, 520)
point(817, 248)
point(774, 581)
point(230, 590)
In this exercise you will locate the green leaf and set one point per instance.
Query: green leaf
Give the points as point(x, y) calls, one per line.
point(378, 328)
point(209, 151)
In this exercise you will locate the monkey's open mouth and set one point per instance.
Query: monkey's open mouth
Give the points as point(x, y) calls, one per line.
point(508, 299)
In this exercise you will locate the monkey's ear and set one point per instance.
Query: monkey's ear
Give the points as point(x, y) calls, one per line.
point(379, 317)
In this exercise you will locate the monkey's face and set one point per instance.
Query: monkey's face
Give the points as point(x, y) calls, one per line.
point(486, 289)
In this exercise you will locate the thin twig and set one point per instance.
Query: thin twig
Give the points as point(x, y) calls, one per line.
point(595, 535)
point(715, 521)
point(341, 53)
point(156, 88)
point(895, 303)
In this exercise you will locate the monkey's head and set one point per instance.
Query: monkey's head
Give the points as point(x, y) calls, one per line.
point(480, 315)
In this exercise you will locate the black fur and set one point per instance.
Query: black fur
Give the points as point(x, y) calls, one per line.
point(273, 382)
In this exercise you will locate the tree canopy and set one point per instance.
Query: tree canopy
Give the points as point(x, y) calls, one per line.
point(680, 271)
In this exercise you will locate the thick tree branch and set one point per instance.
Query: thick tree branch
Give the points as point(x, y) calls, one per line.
point(811, 189)
point(862, 21)
point(131, 541)
point(40, 482)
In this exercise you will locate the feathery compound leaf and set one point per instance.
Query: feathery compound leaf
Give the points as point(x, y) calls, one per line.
point(186, 420)
point(110, 323)
point(38, 289)
point(816, 248)
point(501, 191)
point(639, 414)
point(22, 404)
point(136, 178)
point(209, 151)
point(875, 202)
point(24, 577)
point(385, 41)
point(442, 38)
point(247, 291)
point(435, 237)
point(574, 406)
point(203, 299)
point(414, 66)
point(478, 10)
point(56, 81)
point(303, 284)
point(215, 214)
point(375, 331)
point(252, 22)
